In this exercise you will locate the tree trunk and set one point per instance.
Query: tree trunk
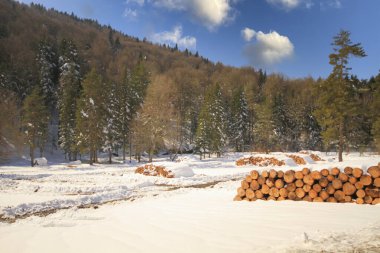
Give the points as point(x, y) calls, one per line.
point(31, 151)
point(109, 155)
point(341, 141)
point(130, 149)
point(91, 158)
point(123, 149)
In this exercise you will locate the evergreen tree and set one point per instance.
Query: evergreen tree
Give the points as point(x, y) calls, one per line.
point(336, 104)
point(263, 129)
point(35, 121)
point(375, 112)
point(91, 115)
point(239, 120)
point(111, 118)
point(69, 91)
point(203, 132)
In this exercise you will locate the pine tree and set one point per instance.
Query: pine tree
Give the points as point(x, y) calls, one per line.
point(111, 119)
point(239, 120)
point(375, 112)
point(35, 120)
point(69, 91)
point(336, 103)
point(263, 128)
point(203, 132)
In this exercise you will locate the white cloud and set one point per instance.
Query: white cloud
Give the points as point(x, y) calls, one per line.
point(268, 49)
point(175, 37)
point(138, 2)
point(331, 4)
point(210, 13)
point(130, 13)
point(248, 34)
point(291, 4)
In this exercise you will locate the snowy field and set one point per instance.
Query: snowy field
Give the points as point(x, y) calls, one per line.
point(76, 207)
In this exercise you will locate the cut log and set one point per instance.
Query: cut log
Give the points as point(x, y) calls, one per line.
point(352, 180)
point(374, 171)
point(272, 173)
point(313, 194)
point(325, 172)
point(271, 198)
point(250, 194)
point(254, 185)
point(305, 171)
point(291, 187)
point(347, 199)
point(259, 194)
point(317, 188)
point(349, 189)
point(368, 199)
point(292, 195)
point(374, 192)
point(331, 200)
point(237, 198)
point(337, 184)
point(318, 199)
point(308, 179)
point(307, 198)
point(330, 178)
point(316, 175)
point(360, 193)
point(343, 177)
point(261, 180)
point(300, 193)
point(376, 201)
point(280, 174)
point(283, 192)
point(289, 176)
point(366, 180)
point(281, 198)
point(357, 172)
point(323, 182)
point(376, 182)
point(241, 192)
point(359, 201)
point(335, 171)
point(299, 183)
point(279, 183)
point(330, 189)
point(274, 192)
point(359, 185)
point(306, 187)
point(265, 189)
point(348, 170)
point(248, 178)
point(244, 185)
point(339, 195)
point(254, 174)
point(269, 182)
point(265, 174)
point(324, 195)
point(298, 175)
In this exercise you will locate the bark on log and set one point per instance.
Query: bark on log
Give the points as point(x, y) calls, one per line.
point(376, 201)
point(305, 171)
point(323, 182)
point(374, 171)
point(241, 192)
point(244, 185)
point(307, 198)
point(348, 170)
point(280, 174)
point(347, 199)
point(248, 178)
point(368, 199)
point(292, 195)
point(373, 192)
point(269, 182)
point(357, 172)
point(259, 194)
point(330, 178)
point(376, 182)
point(337, 184)
point(325, 172)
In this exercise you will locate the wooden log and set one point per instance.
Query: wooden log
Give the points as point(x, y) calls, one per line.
point(254, 174)
point(324, 195)
point(331, 200)
point(274, 192)
point(343, 177)
point(281, 198)
point(292, 195)
point(316, 175)
point(376, 182)
point(339, 195)
point(272, 173)
point(298, 175)
point(305, 171)
point(244, 185)
point(374, 192)
point(376, 201)
point(308, 179)
point(261, 180)
point(299, 183)
point(330, 189)
point(254, 185)
point(291, 187)
point(265, 189)
point(250, 194)
point(313, 194)
point(365, 180)
point(279, 183)
point(337, 184)
point(323, 182)
point(360, 193)
point(374, 171)
point(300, 193)
point(359, 201)
point(349, 189)
point(330, 178)
point(359, 185)
point(368, 199)
point(348, 170)
point(271, 198)
point(352, 180)
point(289, 176)
point(335, 171)
point(264, 173)
point(347, 199)
point(306, 187)
point(241, 192)
point(325, 172)
point(317, 188)
point(318, 199)
point(280, 174)
point(248, 178)
point(357, 172)
point(283, 192)
point(307, 198)
point(259, 194)
point(238, 198)
point(269, 182)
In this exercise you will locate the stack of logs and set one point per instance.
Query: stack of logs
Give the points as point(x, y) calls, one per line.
point(154, 170)
point(297, 159)
point(352, 185)
point(260, 161)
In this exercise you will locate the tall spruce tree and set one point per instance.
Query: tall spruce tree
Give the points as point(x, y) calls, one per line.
point(336, 103)
point(203, 132)
point(375, 112)
point(239, 122)
point(35, 119)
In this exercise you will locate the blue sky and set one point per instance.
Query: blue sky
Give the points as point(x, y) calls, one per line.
point(288, 36)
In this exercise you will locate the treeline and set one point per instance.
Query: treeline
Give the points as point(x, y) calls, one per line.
point(86, 88)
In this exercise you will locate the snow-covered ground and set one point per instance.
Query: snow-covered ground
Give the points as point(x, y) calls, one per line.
point(108, 208)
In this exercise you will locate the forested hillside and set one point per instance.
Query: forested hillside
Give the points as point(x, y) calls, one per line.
point(77, 87)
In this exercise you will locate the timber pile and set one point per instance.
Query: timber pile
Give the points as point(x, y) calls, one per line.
point(153, 170)
point(351, 185)
point(260, 161)
point(316, 157)
point(297, 159)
